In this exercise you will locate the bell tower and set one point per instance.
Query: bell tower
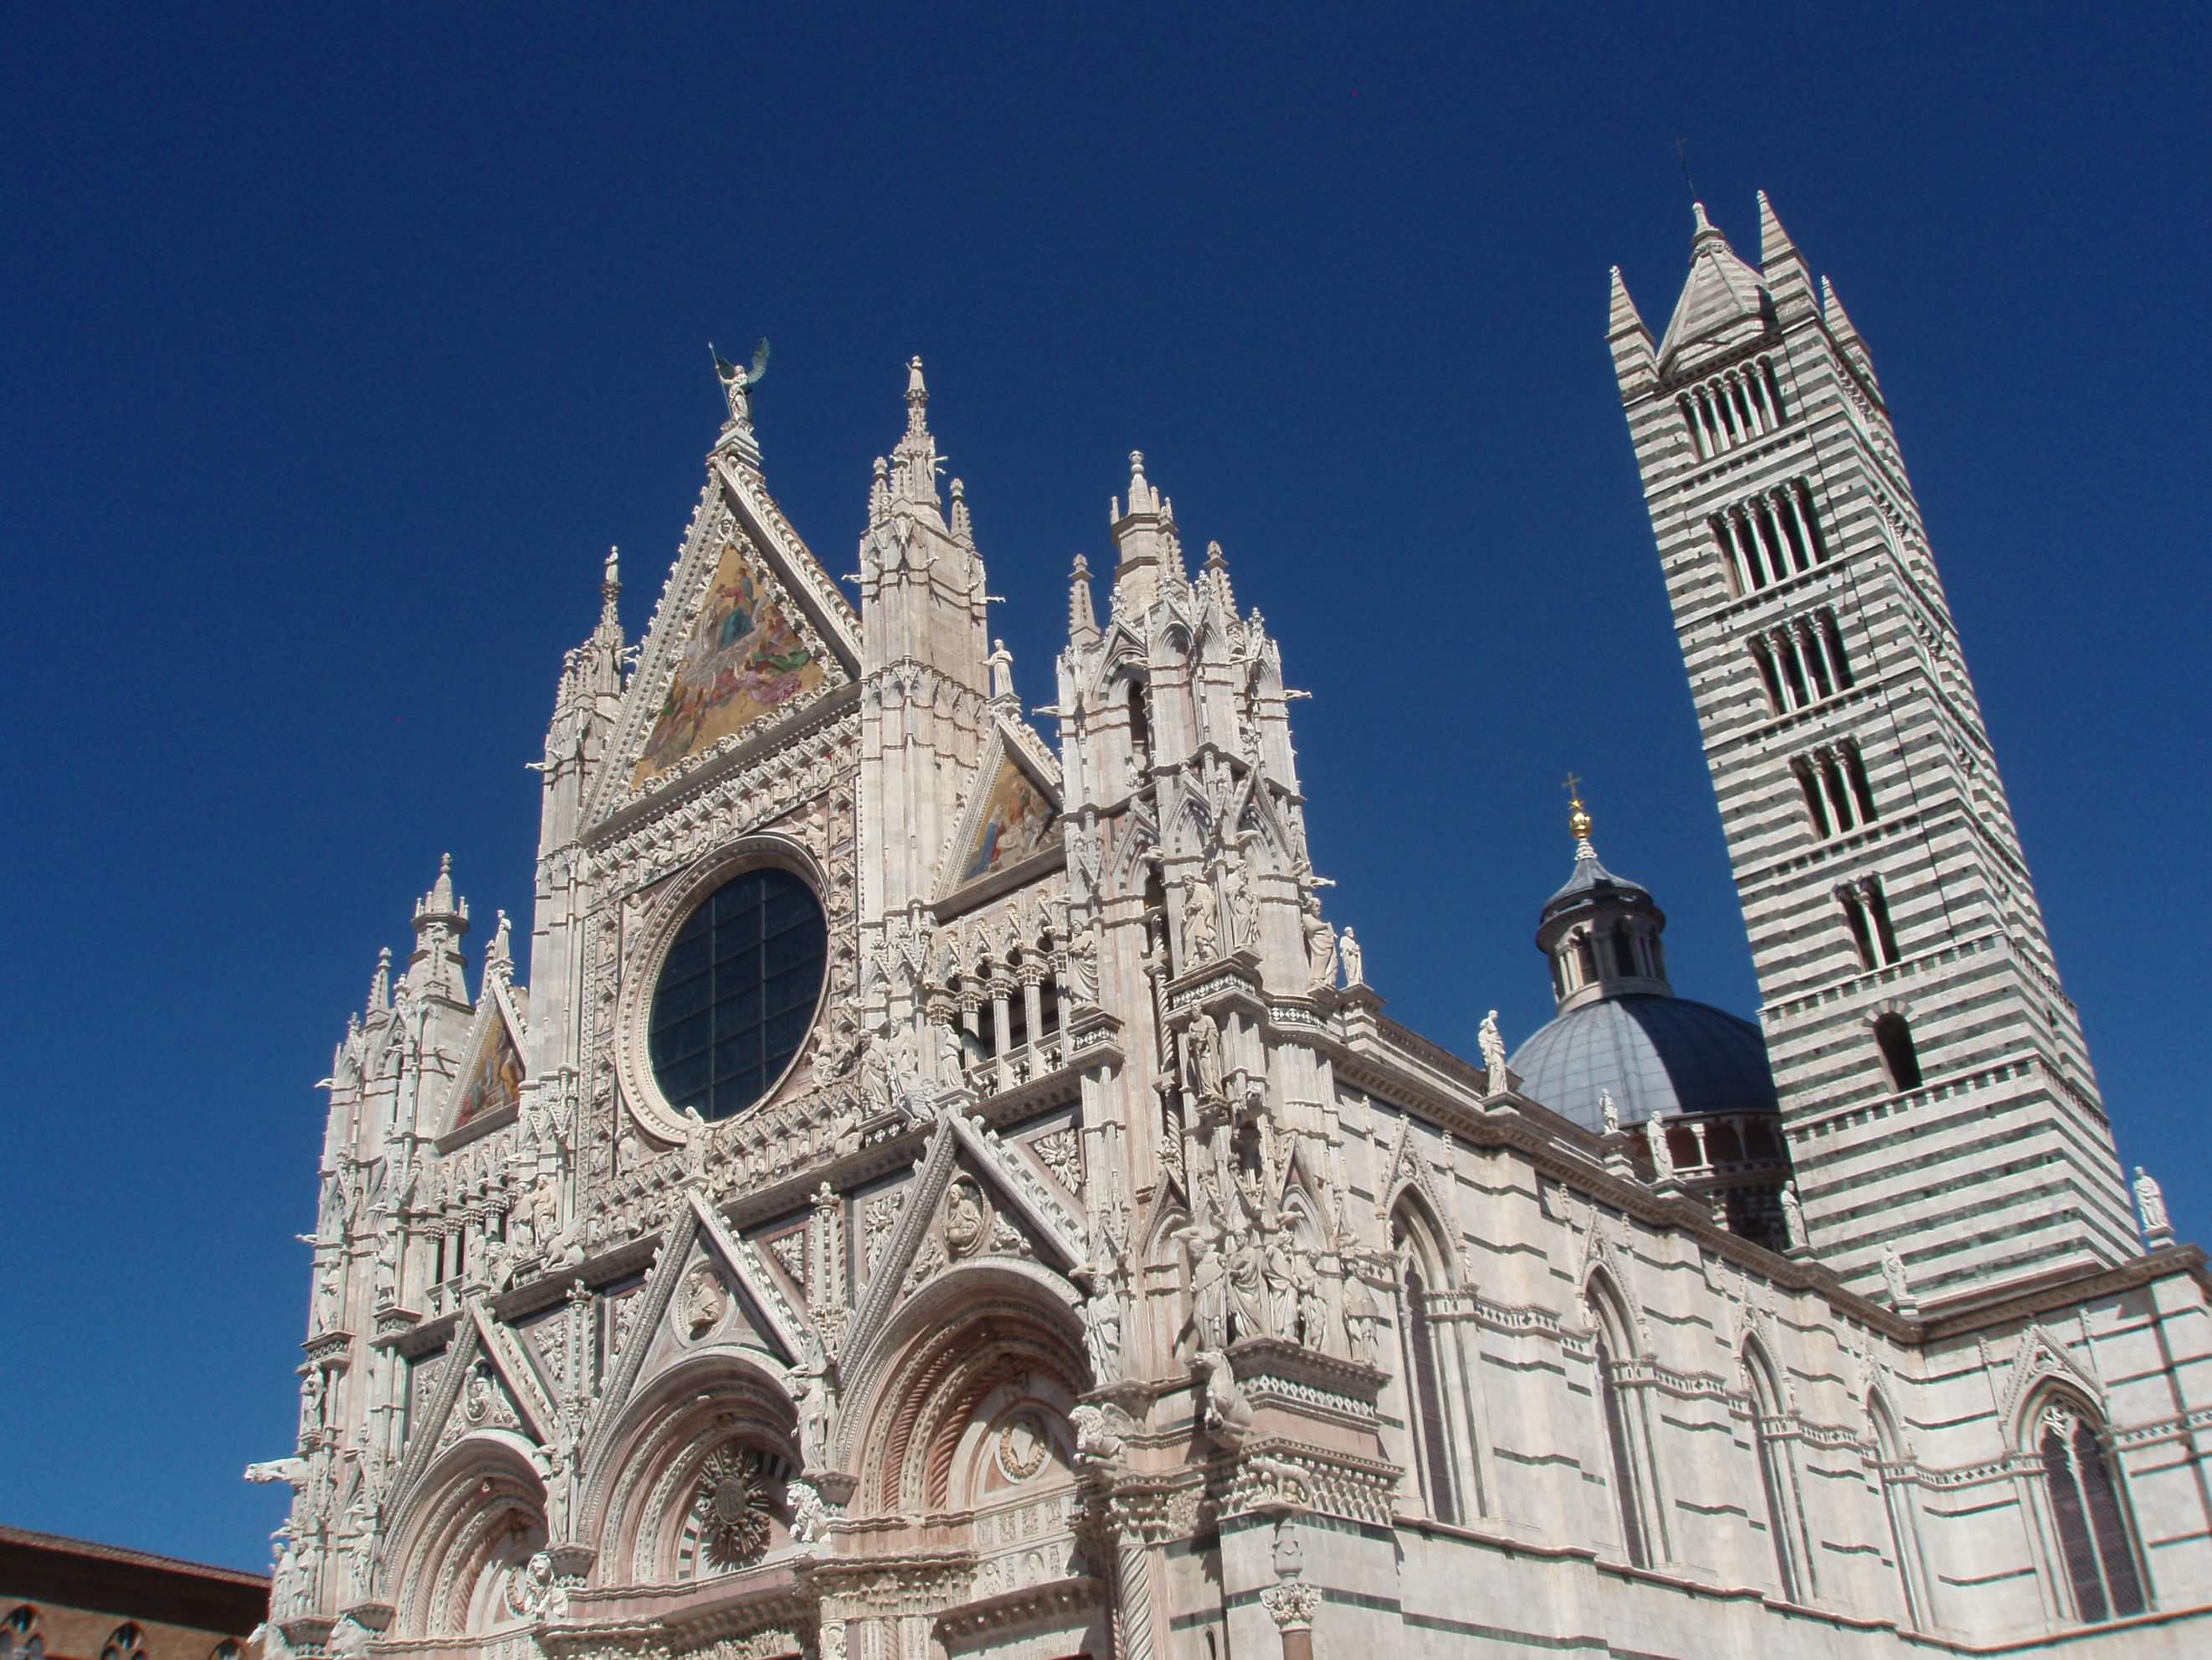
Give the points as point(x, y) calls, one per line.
point(1935, 1087)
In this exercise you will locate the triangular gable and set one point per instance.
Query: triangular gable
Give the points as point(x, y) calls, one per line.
point(493, 1070)
point(749, 633)
point(2041, 1356)
point(761, 1300)
point(423, 1436)
point(1016, 1205)
point(504, 1351)
point(670, 1265)
point(1012, 817)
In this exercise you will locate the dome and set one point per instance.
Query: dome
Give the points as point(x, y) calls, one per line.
point(1658, 1054)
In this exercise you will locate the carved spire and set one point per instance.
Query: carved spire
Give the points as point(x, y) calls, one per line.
point(1216, 579)
point(963, 529)
point(914, 463)
point(441, 918)
point(1145, 537)
point(610, 594)
point(1082, 620)
point(499, 956)
point(379, 983)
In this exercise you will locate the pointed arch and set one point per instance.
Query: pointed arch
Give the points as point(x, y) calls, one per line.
point(720, 1426)
point(2082, 1501)
point(1627, 1436)
point(1899, 1490)
point(977, 1348)
point(477, 1515)
point(1418, 1274)
point(1774, 1441)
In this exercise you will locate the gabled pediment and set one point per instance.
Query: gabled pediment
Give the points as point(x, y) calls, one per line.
point(487, 1087)
point(1012, 817)
point(750, 632)
point(973, 1196)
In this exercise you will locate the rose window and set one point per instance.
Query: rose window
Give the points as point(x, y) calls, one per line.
point(738, 992)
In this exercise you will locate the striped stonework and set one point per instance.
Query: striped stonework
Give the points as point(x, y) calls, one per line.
point(1933, 1075)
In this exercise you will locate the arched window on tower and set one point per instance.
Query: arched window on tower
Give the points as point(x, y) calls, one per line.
point(2088, 1514)
point(1777, 1474)
point(1420, 1276)
point(125, 1643)
point(1623, 1443)
point(1893, 1037)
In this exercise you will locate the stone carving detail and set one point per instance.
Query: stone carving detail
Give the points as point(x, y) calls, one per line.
point(878, 1220)
point(1022, 1447)
point(967, 1217)
point(1291, 1604)
point(731, 1507)
point(1061, 1152)
point(702, 1302)
point(533, 1593)
point(790, 1249)
point(810, 1517)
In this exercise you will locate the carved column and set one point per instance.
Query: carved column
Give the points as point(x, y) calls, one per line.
point(1291, 1605)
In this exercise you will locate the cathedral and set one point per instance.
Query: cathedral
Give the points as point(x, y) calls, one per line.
point(948, 1191)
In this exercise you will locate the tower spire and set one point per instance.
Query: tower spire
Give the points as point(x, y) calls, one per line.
point(1782, 266)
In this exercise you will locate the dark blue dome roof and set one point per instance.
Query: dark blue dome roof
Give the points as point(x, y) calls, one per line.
point(1658, 1056)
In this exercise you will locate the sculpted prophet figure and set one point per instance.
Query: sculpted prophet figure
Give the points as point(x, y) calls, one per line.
point(1202, 1059)
point(1201, 933)
point(1492, 1044)
point(1321, 946)
point(1354, 968)
point(1209, 1290)
point(2150, 1202)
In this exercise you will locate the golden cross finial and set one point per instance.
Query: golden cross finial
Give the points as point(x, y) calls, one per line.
point(1577, 820)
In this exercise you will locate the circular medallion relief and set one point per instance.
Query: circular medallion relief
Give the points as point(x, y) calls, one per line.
point(1023, 1445)
point(736, 992)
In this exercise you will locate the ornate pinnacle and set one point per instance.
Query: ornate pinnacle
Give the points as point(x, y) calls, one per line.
point(1082, 620)
point(1578, 820)
point(611, 591)
point(917, 399)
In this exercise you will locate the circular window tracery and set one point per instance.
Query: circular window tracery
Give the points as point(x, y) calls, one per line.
point(736, 992)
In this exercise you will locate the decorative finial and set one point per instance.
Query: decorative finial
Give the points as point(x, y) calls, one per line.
point(1578, 821)
point(1697, 212)
point(611, 589)
point(917, 400)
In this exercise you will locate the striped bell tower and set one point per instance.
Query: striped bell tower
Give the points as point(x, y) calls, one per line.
point(1944, 1118)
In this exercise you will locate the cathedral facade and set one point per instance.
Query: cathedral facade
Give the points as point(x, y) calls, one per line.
point(944, 1192)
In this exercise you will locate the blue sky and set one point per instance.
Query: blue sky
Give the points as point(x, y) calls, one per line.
point(337, 349)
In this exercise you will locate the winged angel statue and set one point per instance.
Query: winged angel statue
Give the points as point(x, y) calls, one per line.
point(737, 383)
